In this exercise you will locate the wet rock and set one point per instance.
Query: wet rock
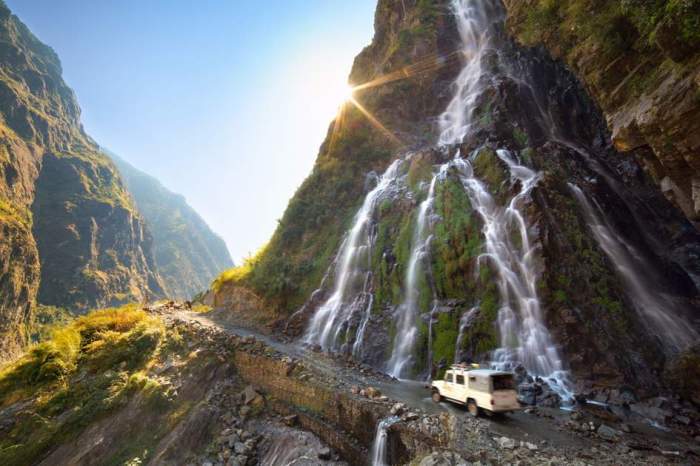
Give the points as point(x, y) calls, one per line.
point(240, 447)
point(231, 440)
point(372, 392)
point(530, 446)
point(608, 433)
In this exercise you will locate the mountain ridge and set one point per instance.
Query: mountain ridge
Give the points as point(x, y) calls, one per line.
point(188, 254)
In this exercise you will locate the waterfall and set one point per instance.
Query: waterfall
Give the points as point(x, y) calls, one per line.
point(351, 294)
point(475, 31)
point(406, 329)
point(661, 314)
point(464, 322)
point(524, 338)
point(380, 438)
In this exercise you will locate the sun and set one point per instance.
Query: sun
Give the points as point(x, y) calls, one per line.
point(345, 93)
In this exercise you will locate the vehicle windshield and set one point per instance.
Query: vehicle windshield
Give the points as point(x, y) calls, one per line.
point(503, 382)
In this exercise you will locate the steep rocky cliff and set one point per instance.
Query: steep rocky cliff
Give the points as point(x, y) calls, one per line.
point(69, 230)
point(187, 253)
point(640, 61)
point(509, 228)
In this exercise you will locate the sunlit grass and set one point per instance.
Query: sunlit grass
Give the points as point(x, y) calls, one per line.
point(240, 273)
point(86, 368)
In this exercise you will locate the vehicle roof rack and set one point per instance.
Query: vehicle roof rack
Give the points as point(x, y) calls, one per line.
point(464, 366)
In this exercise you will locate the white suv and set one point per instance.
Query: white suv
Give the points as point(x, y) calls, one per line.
point(479, 389)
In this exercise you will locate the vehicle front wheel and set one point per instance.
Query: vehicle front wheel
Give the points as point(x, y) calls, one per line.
point(437, 398)
point(472, 408)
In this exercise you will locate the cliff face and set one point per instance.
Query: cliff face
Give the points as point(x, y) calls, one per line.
point(188, 254)
point(640, 61)
point(66, 221)
point(539, 240)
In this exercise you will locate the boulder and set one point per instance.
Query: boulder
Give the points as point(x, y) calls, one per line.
point(506, 443)
point(252, 397)
point(608, 433)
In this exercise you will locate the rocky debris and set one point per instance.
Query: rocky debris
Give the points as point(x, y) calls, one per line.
point(282, 446)
point(397, 409)
point(505, 442)
point(251, 397)
point(244, 437)
point(443, 459)
point(371, 392)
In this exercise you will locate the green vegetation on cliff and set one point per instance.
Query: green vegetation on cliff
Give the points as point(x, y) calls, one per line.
point(639, 60)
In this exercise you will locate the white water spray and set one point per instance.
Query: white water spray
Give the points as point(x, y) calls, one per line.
point(464, 322)
point(475, 31)
point(380, 441)
point(406, 329)
point(352, 273)
point(524, 336)
point(660, 312)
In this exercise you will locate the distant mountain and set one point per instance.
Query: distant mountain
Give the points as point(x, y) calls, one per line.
point(188, 253)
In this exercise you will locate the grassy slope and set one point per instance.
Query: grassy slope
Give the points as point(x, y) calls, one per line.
point(87, 368)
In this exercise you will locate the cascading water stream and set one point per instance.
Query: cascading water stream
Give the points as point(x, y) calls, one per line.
point(464, 322)
point(406, 329)
point(475, 31)
point(350, 294)
point(380, 441)
point(660, 312)
point(524, 337)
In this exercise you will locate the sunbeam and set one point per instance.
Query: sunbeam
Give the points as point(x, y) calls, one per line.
point(347, 94)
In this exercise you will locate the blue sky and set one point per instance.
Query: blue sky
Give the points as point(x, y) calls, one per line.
point(224, 101)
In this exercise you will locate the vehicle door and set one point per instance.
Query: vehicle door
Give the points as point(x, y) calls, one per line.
point(460, 389)
point(449, 385)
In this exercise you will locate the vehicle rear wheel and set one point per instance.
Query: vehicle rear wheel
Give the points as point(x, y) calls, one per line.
point(472, 408)
point(437, 398)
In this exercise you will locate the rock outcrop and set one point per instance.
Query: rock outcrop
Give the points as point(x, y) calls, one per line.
point(188, 254)
point(640, 61)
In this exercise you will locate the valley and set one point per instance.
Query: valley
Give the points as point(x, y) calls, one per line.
point(508, 184)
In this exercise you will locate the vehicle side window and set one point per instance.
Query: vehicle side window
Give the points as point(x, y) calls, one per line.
point(460, 379)
point(448, 378)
